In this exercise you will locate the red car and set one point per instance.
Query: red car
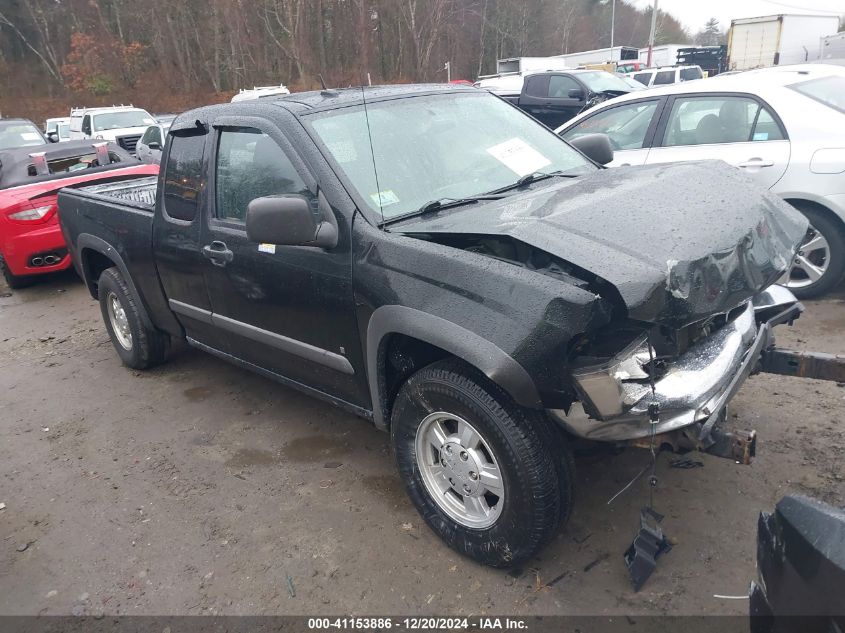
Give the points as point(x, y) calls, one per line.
point(31, 241)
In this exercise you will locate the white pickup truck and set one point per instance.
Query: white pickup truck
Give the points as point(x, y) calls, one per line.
point(122, 124)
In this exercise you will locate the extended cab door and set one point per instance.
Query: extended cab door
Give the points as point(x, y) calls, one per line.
point(630, 127)
point(176, 236)
point(285, 309)
point(739, 129)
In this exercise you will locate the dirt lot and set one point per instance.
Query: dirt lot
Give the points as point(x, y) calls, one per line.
point(199, 488)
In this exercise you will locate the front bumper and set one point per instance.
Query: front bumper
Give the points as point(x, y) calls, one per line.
point(698, 385)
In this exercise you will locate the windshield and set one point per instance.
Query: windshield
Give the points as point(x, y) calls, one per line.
point(64, 130)
point(599, 81)
point(828, 90)
point(19, 135)
point(127, 118)
point(428, 148)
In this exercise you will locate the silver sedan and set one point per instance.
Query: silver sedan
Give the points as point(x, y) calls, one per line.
point(783, 126)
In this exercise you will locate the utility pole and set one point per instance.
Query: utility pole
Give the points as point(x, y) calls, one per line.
point(448, 68)
point(612, 23)
point(651, 35)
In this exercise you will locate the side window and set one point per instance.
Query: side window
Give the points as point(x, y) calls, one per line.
point(86, 124)
point(183, 180)
point(250, 165)
point(688, 74)
point(664, 77)
point(643, 78)
point(705, 120)
point(625, 125)
point(560, 85)
point(155, 135)
point(537, 85)
point(766, 128)
point(147, 137)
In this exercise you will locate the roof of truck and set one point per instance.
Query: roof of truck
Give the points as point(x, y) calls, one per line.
point(338, 97)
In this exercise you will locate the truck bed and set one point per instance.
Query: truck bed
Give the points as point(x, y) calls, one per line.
point(139, 193)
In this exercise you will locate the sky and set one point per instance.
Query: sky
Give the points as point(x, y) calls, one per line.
point(694, 13)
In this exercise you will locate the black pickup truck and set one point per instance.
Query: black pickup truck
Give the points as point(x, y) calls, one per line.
point(555, 96)
point(434, 260)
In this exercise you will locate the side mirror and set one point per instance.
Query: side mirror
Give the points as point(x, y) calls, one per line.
point(53, 137)
point(576, 93)
point(596, 147)
point(154, 145)
point(288, 221)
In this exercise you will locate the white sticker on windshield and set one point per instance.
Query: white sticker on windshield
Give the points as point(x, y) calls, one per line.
point(267, 248)
point(519, 156)
point(30, 136)
point(384, 198)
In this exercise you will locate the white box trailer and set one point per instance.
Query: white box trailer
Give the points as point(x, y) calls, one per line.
point(663, 55)
point(525, 65)
point(775, 40)
point(599, 56)
point(833, 46)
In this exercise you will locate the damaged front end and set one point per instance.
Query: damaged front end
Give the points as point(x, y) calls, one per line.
point(691, 390)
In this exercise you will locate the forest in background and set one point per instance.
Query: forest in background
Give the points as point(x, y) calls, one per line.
point(169, 55)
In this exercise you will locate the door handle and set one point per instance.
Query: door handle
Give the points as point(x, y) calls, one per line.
point(757, 162)
point(218, 253)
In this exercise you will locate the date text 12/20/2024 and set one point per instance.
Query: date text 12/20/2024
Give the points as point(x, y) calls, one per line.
point(417, 624)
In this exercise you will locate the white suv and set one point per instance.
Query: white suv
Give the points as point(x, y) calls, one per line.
point(666, 76)
point(122, 124)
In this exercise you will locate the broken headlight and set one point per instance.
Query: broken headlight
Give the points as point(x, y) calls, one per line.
point(612, 387)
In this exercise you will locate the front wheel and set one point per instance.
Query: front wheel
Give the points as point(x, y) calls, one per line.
point(478, 468)
point(137, 345)
point(820, 262)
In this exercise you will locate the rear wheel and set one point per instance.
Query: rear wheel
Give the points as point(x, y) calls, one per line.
point(477, 467)
point(137, 345)
point(820, 262)
point(15, 282)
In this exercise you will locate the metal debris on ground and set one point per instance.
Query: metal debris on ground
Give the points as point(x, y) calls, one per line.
point(649, 544)
point(685, 463)
point(291, 590)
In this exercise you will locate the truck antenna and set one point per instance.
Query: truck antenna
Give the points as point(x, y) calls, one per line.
point(378, 195)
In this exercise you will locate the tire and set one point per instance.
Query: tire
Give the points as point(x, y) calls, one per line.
point(536, 485)
point(796, 280)
point(15, 282)
point(138, 346)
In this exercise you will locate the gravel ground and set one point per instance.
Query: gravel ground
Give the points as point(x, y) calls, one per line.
point(199, 488)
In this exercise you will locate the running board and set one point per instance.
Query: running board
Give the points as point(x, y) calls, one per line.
point(815, 365)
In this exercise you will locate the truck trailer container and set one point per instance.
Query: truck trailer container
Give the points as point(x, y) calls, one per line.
point(775, 40)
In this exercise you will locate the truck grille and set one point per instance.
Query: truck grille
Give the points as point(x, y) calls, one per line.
point(129, 142)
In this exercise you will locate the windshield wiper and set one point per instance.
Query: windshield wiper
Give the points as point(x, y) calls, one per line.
point(535, 176)
point(441, 203)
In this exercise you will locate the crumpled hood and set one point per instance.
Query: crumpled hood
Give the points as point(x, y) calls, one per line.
point(680, 242)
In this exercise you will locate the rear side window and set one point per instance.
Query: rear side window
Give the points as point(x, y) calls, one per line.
point(664, 77)
point(688, 74)
point(251, 165)
point(643, 78)
point(183, 180)
point(728, 119)
point(828, 90)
